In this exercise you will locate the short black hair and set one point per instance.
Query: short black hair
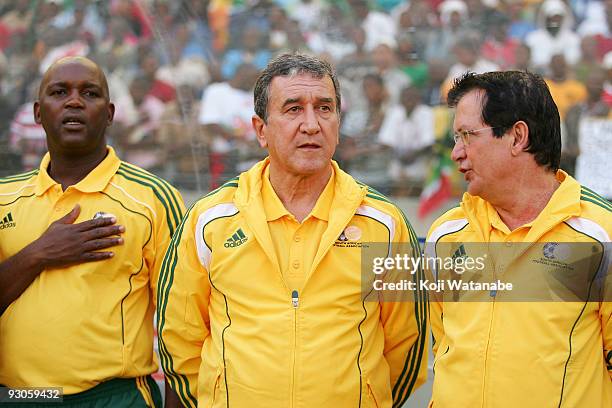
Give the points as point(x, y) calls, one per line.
point(291, 64)
point(511, 96)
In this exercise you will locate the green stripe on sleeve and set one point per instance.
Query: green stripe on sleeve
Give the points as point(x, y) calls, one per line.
point(163, 187)
point(596, 202)
point(179, 382)
point(163, 183)
point(172, 213)
point(18, 177)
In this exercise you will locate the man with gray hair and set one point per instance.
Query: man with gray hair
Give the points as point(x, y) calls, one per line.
point(260, 299)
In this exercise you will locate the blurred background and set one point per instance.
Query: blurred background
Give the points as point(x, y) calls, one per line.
point(181, 75)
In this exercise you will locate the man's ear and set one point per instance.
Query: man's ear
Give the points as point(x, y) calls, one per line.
point(37, 112)
point(111, 113)
point(520, 134)
point(259, 125)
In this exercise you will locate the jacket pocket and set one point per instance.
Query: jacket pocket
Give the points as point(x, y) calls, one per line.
point(216, 390)
point(372, 400)
point(439, 357)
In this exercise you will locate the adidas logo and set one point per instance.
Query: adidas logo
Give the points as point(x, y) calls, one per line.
point(237, 239)
point(460, 252)
point(7, 221)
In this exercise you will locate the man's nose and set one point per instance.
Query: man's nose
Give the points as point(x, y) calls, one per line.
point(458, 152)
point(74, 100)
point(310, 124)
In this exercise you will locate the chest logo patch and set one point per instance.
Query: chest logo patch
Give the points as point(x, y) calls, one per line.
point(349, 237)
point(7, 221)
point(238, 238)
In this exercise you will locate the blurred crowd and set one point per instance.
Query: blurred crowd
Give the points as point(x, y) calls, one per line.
point(181, 75)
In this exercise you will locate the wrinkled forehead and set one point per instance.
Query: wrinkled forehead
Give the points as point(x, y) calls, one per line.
point(73, 71)
point(300, 83)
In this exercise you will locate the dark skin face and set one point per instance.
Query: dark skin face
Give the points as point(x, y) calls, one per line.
point(74, 109)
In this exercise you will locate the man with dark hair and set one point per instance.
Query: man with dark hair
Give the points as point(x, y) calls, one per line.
point(546, 341)
point(260, 298)
point(81, 242)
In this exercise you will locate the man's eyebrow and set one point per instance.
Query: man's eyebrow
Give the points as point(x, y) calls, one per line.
point(84, 85)
point(290, 101)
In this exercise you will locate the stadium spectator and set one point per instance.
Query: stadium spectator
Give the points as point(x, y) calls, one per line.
point(598, 19)
point(554, 35)
point(183, 67)
point(520, 22)
point(589, 58)
point(194, 16)
point(253, 50)
point(432, 91)
point(308, 14)
point(378, 26)
point(247, 14)
point(589, 135)
point(189, 41)
point(185, 144)
point(410, 62)
point(359, 57)
point(565, 90)
point(82, 17)
point(361, 152)
point(120, 42)
point(149, 67)
point(226, 111)
point(416, 21)
point(408, 129)
point(136, 122)
point(277, 17)
point(296, 41)
point(498, 47)
point(453, 25)
point(7, 104)
point(466, 51)
point(27, 138)
point(18, 19)
point(385, 61)
point(607, 65)
point(578, 120)
point(522, 58)
point(482, 17)
point(334, 37)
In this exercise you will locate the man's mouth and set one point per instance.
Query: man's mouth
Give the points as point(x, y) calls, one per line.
point(309, 146)
point(73, 122)
point(466, 173)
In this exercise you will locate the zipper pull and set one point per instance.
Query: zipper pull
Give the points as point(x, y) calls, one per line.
point(294, 298)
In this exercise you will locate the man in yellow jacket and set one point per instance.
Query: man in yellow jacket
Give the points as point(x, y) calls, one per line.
point(82, 240)
point(546, 341)
point(260, 298)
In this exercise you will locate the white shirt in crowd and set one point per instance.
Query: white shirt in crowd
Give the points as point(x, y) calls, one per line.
point(406, 134)
point(229, 107)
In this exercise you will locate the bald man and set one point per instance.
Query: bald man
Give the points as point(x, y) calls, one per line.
point(81, 242)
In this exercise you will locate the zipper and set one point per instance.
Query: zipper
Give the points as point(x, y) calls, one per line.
point(295, 302)
point(486, 361)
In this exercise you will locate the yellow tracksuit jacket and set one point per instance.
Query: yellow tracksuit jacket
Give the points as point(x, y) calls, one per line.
point(77, 326)
point(232, 334)
point(508, 354)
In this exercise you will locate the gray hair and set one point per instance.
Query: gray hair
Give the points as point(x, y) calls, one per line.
point(289, 65)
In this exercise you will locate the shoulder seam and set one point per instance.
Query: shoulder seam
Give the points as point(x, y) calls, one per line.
point(18, 177)
point(170, 203)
